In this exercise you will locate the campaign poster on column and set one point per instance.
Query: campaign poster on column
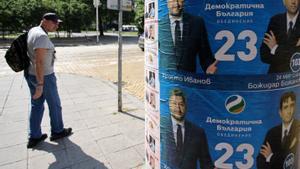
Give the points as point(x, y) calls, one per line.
point(231, 32)
point(229, 84)
point(226, 129)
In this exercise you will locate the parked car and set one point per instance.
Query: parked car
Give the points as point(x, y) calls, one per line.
point(141, 41)
point(129, 28)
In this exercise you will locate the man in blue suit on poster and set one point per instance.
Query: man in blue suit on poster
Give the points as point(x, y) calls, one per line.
point(183, 37)
point(282, 38)
point(183, 144)
point(279, 148)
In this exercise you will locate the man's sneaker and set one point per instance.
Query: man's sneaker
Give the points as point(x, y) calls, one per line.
point(66, 132)
point(32, 142)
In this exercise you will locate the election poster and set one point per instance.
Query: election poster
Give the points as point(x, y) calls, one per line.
point(222, 84)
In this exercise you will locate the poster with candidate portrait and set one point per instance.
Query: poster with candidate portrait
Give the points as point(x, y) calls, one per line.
point(231, 32)
point(229, 81)
point(235, 125)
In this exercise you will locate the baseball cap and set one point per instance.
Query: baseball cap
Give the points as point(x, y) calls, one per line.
point(51, 16)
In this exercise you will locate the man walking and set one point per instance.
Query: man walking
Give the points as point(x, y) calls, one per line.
point(42, 82)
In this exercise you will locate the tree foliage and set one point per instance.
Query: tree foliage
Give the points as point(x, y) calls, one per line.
point(139, 15)
point(20, 15)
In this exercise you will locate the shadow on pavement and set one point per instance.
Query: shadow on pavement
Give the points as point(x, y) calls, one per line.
point(131, 115)
point(72, 156)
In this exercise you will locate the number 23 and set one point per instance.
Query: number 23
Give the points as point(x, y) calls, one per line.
point(248, 156)
point(250, 45)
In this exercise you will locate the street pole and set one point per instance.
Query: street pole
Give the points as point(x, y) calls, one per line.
point(97, 23)
point(120, 57)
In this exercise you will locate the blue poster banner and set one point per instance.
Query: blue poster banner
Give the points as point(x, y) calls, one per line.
point(235, 124)
point(234, 32)
point(229, 84)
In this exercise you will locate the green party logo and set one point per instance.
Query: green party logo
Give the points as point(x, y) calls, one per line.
point(235, 104)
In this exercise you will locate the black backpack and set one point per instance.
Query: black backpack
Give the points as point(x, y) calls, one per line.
point(16, 56)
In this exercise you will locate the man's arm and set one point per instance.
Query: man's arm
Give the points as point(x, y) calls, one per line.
point(212, 69)
point(207, 60)
point(39, 59)
point(272, 50)
point(261, 160)
point(266, 155)
point(268, 43)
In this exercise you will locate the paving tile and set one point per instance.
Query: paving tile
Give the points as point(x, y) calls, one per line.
point(142, 166)
point(55, 160)
point(78, 107)
point(16, 116)
point(45, 148)
point(11, 127)
point(8, 155)
point(105, 131)
point(16, 113)
point(92, 113)
point(16, 103)
point(81, 100)
point(76, 125)
point(74, 108)
point(108, 109)
point(139, 113)
point(97, 121)
point(65, 101)
point(140, 149)
point(78, 154)
point(132, 159)
point(79, 94)
point(135, 136)
point(12, 139)
point(108, 103)
point(120, 117)
point(71, 116)
point(133, 123)
point(114, 143)
point(15, 165)
point(92, 163)
point(104, 96)
point(79, 138)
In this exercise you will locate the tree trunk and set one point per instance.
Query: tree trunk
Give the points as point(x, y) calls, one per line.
point(100, 24)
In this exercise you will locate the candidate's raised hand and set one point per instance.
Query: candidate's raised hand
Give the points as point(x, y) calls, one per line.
point(270, 40)
point(266, 150)
point(212, 68)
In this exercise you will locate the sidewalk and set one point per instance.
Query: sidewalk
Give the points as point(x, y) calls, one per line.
point(103, 138)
